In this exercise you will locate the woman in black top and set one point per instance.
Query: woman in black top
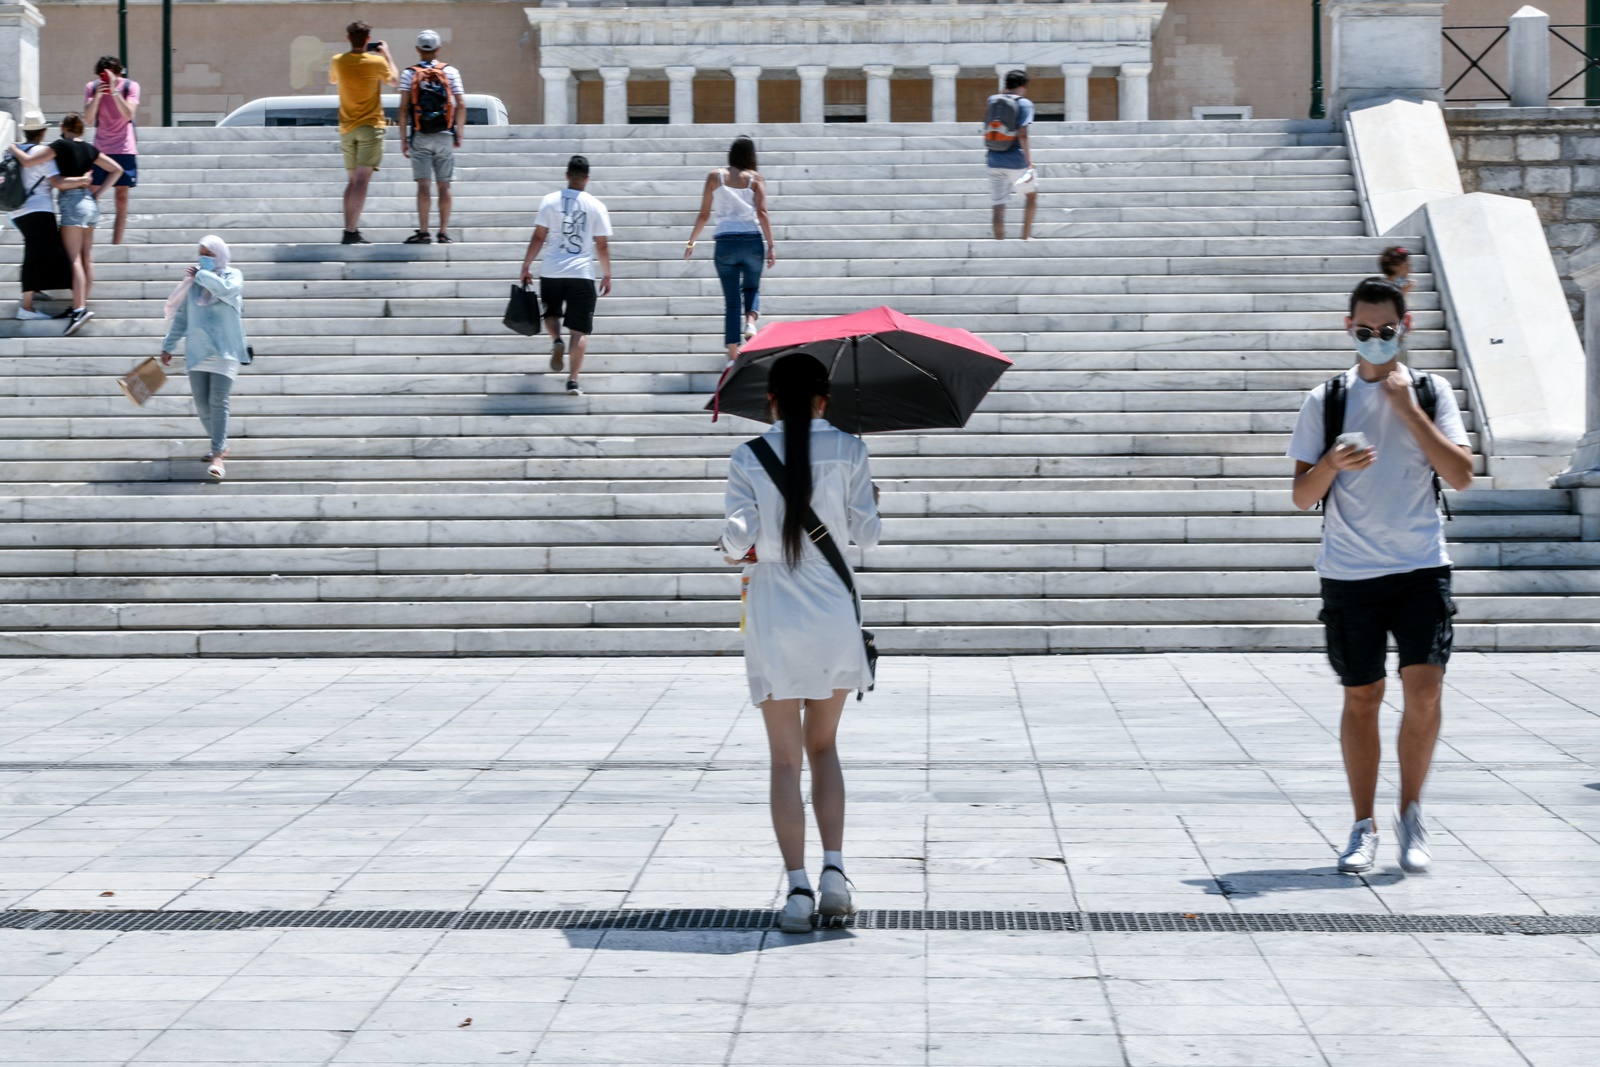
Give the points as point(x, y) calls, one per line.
point(79, 208)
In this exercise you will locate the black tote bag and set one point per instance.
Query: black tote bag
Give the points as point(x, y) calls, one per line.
point(522, 311)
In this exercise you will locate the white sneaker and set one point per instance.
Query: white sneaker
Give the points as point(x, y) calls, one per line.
point(1362, 851)
point(797, 912)
point(835, 893)
point(1412, 835)
point(27, 316)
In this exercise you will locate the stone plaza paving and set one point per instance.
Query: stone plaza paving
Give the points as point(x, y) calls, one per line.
point(1181, 784)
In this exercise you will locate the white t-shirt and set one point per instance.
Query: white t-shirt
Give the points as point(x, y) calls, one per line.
point(1383, 520)
point(574, 219)
point(40, 173)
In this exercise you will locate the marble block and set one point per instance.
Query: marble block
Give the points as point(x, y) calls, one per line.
point(1403, 159)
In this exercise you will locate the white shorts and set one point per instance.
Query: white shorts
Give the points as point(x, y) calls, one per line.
point(1003, 182)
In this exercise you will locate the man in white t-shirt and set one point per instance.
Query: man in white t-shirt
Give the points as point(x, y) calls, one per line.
point(579, 251)
point(1383, 563)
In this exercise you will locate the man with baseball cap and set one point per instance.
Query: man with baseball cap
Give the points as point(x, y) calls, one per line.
point(433, 110)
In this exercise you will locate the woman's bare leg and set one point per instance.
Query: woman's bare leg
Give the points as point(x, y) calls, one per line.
point(786, 740)
point(827, 777)
point(72, 241)
point(88, 263)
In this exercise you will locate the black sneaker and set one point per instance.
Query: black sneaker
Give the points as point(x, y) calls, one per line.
point(76, 319)
point(353, 237)
point(573, 390)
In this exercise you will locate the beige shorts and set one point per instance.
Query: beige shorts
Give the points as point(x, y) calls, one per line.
point(363, 147)
point(1003, 182)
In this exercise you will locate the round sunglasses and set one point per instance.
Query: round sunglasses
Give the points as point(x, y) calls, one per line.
point(1366, 333)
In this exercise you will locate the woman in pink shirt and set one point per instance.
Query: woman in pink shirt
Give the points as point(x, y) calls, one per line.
point(110, 104)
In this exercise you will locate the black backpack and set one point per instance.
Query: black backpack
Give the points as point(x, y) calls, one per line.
point(1334, 395)
point(1002, 118)
point(14, 187)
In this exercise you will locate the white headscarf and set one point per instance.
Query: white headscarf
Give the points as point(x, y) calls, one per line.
point(219, 251)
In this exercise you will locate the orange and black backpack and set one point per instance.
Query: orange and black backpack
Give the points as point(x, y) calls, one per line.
point(433, 104)
point(1001, 120)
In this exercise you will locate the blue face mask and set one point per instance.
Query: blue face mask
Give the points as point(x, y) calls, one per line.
point(208, 262)
point(1377, 351)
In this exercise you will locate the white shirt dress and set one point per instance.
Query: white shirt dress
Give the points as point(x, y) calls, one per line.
point(801, 639)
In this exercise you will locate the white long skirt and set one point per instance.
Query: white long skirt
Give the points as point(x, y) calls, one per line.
point(801, 637)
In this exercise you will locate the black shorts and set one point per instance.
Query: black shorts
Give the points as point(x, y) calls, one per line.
point(130, 171)
point(577, 295)
point(1359, 617)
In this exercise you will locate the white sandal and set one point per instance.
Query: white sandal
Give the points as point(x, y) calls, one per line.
point(216, 469)
point(798, 911)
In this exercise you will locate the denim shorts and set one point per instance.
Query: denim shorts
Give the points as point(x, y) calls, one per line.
point(78, 207)
point(130, 171)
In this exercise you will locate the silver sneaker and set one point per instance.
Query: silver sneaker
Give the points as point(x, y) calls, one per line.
point(1413, 837)
point(835, 889)
point(1362, 851)
point(797, 912)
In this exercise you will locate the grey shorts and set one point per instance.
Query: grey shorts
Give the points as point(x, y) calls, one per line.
point(78, 207)
point(433, 155)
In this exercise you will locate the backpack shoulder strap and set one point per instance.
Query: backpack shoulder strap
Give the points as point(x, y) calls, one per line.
point(820, 535)
point(1428, 401)
point(1334, 394)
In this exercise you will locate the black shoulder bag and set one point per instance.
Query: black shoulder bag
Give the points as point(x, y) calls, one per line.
point(823, 539)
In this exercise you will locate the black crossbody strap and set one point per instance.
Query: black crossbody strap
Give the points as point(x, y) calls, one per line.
point(820, 535)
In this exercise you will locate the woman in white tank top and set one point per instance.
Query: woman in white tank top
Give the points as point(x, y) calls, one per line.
point(735, 199)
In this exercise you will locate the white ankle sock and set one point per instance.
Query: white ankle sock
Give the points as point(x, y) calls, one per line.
point(799, 879)
point(833, 859)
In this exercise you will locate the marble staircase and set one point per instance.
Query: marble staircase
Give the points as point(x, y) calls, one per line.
point(409, 478)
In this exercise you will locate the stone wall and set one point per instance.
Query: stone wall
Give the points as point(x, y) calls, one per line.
point(1550, 156)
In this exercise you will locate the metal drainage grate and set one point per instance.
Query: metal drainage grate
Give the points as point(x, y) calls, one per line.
point(1143, 922)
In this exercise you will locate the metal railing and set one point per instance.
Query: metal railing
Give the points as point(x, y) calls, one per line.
point(1476, 52)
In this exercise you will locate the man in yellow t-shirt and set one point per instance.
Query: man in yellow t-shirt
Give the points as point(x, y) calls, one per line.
point(361, 75)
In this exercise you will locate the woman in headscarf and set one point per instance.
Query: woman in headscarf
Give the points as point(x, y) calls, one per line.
point(206, 311)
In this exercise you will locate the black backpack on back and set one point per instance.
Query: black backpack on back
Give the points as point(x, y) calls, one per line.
point(1334, 395)
point(14, 186)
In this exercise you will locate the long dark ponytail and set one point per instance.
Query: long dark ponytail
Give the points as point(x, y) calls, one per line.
point(794, 381)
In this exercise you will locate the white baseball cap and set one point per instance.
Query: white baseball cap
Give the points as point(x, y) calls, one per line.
point(428, 40)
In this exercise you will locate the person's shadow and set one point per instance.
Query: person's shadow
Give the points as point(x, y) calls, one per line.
point(1244, 885)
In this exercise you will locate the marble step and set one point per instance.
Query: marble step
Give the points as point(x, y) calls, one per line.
point(527, 533)
point(1213, 292)
point(377, 375)
point(910, 640)
point(495, 158)
point(520, 502)
point(963, 556)
point(425, 463)
point(876, 585)
point(394, 613)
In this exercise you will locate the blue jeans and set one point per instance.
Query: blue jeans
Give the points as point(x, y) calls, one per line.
point(739, 257)
point(211, 393)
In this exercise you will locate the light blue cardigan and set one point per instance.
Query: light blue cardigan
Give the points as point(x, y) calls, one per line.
point(215, 329)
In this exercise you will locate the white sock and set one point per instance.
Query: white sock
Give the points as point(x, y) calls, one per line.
point(833, 859)
point(799, 880)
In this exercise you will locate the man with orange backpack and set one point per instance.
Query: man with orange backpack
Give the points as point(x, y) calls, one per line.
point(433, 109)
point(1005, 135)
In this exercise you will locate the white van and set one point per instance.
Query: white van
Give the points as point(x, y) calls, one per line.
point(482, 110)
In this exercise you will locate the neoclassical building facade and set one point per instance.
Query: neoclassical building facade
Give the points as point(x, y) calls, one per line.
point(634, 46)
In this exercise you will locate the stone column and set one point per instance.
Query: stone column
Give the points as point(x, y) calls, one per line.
point(944, 90)
point(1584, 471)
point(811, 98)
point(1385, 48)
point(616, 95)
point(1528, 58)
point(19, 57)
point(1077, 76)
point(1133, 92)
point(558, 95)
point(680, 96)
point(878, 75)
point(746, 95)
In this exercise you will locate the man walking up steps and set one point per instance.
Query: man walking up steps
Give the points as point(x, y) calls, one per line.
point(577, 229)
point(1371, 444)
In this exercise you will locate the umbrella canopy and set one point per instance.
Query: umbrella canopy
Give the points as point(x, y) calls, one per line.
point(888, 371)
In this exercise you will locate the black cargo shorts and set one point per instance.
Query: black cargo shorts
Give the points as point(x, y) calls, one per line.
point(1359, 616)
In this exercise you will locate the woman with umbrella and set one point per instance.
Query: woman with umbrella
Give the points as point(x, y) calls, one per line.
point(803, 647)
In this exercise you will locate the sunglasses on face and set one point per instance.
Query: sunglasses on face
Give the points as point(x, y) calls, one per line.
point(1366, 333)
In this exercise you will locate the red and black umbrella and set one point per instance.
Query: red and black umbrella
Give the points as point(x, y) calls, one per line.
point(888, 371)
